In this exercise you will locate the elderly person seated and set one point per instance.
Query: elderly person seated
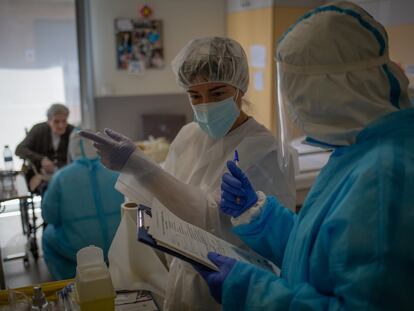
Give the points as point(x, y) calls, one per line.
point(81, 208)
point(46, 146)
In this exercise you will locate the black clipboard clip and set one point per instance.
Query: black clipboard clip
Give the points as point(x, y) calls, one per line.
point(142, 209)
point(144, 237)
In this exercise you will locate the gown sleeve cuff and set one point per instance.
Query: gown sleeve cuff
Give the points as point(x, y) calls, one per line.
point(250, 213)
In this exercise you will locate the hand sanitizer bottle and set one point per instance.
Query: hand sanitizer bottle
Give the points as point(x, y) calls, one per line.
point(93, 284)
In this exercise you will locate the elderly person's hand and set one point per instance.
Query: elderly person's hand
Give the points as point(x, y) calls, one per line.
point(48, 166)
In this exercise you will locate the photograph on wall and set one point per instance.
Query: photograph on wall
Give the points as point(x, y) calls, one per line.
point(139, 45)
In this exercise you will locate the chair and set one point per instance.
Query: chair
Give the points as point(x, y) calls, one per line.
point(28, 215)
point(27, 209)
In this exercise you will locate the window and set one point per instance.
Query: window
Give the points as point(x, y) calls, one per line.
point(38, 65)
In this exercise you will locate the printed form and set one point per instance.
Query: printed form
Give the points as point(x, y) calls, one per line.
point(170, 231)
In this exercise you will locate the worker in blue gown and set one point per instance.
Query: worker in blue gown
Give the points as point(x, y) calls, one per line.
point(81, 208)
point(350, 247)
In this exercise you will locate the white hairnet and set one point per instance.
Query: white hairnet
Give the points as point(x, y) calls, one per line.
point(335, 74)
point(212, 59)
point(80, 147)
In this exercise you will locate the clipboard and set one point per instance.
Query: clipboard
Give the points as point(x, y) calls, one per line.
point(146, 238)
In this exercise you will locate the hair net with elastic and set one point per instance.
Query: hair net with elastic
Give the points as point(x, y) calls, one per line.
point(212, 59)
point(334, 73)
point(80, 147)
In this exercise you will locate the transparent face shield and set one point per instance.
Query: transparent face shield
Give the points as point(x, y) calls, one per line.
point(290, 136)
point(79, 148)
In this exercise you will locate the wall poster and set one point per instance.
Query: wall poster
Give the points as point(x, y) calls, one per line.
point(139, 44)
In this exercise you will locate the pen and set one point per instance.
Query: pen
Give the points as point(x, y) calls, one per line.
point(236, 157)
point(236, 161)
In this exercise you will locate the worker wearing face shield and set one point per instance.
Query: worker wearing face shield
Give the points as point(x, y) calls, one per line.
point(214, 73)
point(81, 208)
point(349, 248)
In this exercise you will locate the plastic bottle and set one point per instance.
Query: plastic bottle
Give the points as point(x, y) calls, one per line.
point(39, 301)
point(93, 284)
point(7, 181)
point(8, 158)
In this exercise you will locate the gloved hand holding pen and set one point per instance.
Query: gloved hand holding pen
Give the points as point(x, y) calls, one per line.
point(114, 148)
point(237, 194)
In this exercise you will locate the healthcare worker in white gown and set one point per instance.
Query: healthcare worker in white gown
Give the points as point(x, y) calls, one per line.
point(214, 73)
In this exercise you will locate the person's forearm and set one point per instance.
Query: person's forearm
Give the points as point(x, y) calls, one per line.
point(26, 153)
point(249, 288)
point(273, 220)
point(184, 200)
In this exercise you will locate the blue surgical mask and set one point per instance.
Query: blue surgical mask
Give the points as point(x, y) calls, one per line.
point(216, 118)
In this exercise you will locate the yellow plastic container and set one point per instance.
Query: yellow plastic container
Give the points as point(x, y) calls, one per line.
point(49, 288)
point(98, 305)
point(93, 285)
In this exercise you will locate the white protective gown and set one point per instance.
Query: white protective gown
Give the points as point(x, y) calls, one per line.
point(189, 186)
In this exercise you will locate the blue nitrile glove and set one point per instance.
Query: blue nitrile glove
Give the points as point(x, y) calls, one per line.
point(237, 194)
point(114, 148)
point(216, 279)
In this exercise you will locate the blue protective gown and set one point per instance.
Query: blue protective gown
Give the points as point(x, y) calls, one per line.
point(81, 208)
point(351, 246)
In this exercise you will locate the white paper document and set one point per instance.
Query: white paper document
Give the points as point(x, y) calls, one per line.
point(172, 232)
point(135, 301)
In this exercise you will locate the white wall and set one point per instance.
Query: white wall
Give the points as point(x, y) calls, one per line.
point(183, 20)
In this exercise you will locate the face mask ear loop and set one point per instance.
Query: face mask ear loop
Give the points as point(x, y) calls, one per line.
point(189, 97)
point(236, 95)
point(235, 98)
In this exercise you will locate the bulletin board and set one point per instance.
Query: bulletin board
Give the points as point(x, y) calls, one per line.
point(139, 45)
